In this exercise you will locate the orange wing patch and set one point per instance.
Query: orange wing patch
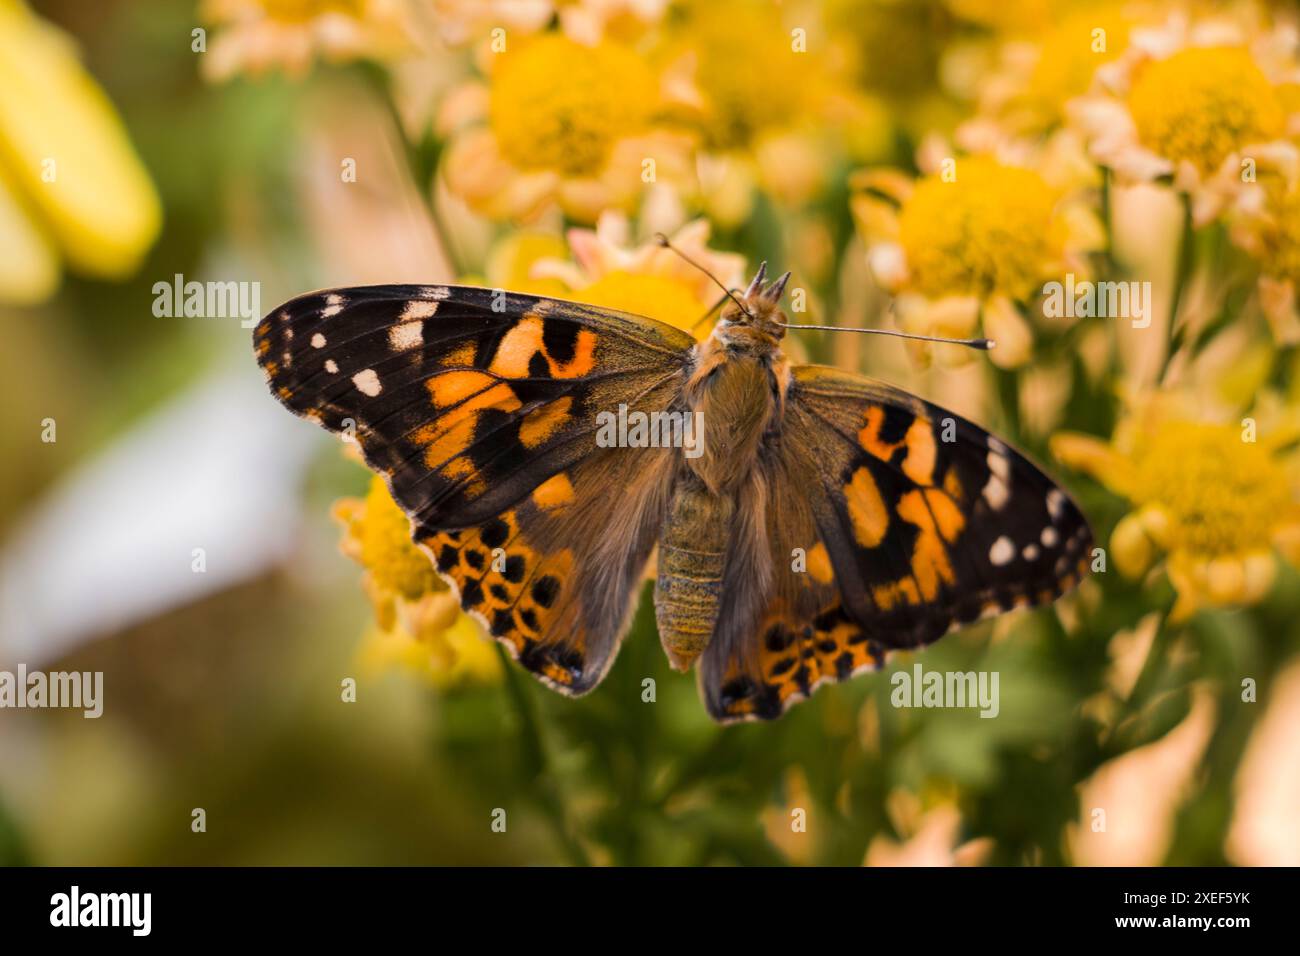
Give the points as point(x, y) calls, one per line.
point(541, 423)
point(918, 440)
point(867, 511)
point(939, 521)
point(526, 339)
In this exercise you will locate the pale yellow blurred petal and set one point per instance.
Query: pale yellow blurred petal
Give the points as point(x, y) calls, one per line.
point(1131, 548)
point(65, 148)
point(1005, 326)
point(29, 268)
point(1093, 456)
point(1128, 806)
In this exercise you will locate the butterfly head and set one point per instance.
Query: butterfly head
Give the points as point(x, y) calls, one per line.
point(754, 320)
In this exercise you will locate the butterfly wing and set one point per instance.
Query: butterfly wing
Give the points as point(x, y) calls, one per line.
point(917, 522)
point(479, 408)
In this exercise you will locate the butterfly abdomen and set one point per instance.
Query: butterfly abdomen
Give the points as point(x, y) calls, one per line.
point(692, 560)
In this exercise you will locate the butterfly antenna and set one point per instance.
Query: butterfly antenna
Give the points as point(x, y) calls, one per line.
point(662, 240)
point(981, 344)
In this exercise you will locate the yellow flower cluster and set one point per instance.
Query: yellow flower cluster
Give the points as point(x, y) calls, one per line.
point(419, 623)
point(1214, 500)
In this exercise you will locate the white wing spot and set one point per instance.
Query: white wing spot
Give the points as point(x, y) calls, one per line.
point(419, 309)
point(995, 490)
point(318, 341)
point(1055, 502)
point(999, 464)
point(367, 382)
point(438, 292)
point(406, 335)
point(1002, 551)
point(331, 366)
point(333, 306)
point(1049, 537)
point(1030, 552)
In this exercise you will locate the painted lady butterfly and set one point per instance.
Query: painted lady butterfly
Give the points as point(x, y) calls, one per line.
point(827, 519)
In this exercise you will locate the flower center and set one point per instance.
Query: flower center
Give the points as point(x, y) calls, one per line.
point(1281, 235)
point(989, 231)
point(1223, 495)
point(559, 105)
point(1204, 103)
point(752, 86)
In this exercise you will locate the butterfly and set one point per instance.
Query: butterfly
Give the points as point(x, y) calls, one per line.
point(816, 520)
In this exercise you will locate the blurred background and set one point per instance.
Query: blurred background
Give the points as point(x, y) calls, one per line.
point(276, 654)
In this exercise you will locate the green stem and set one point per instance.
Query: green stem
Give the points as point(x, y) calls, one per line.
point(1107, 223)
point(537, 762)
point(1008, 381)
point(1150, 673)
point(1182, 271)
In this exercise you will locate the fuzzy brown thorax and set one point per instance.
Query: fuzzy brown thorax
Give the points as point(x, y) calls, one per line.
point(739, 383)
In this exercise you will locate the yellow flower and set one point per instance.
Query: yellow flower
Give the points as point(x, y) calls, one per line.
point(1202, 104)
point(418, 621)
point(989, 232)
point(1192, 100)
point(1027, 91)
point(773, 111)
point(565, 123)
point(559, 105)
point(750, 87)
point(260, 35)
point(610, 271)
point(1213, 498)
point(964, 244)
point(70, 184)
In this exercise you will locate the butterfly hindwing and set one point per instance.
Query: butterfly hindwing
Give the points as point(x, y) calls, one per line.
point(918, 522)
point(480, 409)
point(773, 648)
point(554, 577)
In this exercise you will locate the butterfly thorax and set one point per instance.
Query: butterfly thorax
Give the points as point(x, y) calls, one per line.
point(738, 387)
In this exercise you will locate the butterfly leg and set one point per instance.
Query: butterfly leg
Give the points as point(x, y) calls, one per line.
point(692, 559)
